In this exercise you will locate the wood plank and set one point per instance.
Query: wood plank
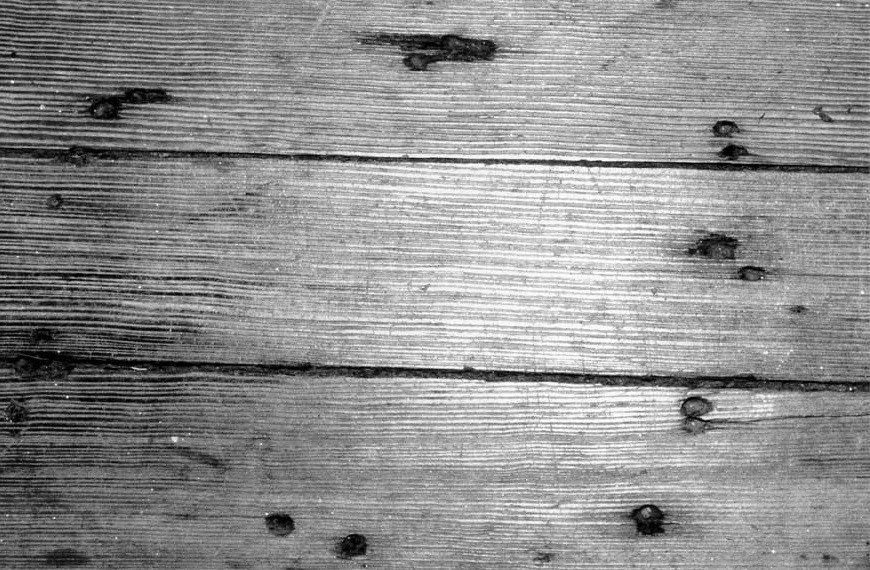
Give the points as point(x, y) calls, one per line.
point(178, 469)
point(630, 80)
point(517, 267)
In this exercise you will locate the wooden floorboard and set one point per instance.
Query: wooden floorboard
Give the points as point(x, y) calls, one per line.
point(500, 267)
point(137, 468)
point(635, 80)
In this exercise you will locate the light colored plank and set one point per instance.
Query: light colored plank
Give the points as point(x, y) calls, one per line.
point(178, 469)
point(627, 80)
point(536, 268)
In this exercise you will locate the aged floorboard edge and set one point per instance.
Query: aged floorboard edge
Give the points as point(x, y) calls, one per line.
point(155, 469)
point(82, 156)
point(58, 366)
point(758, 81)
point(534, 268)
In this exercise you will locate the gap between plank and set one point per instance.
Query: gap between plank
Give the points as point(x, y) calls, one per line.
point(120, 154)
point(742, 382)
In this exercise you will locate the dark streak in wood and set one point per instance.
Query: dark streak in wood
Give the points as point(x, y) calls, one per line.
point(198, 456)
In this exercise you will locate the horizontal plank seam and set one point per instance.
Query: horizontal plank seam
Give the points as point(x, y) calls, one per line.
point(69, 154)
point(466, 374)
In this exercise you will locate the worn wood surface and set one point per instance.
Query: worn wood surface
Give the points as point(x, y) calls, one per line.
point(177, 469)
point(605, 80)
point(541, 268)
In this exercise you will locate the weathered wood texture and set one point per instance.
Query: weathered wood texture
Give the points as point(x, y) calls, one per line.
point(436, 266)
point(167, 469)
point(611, 80)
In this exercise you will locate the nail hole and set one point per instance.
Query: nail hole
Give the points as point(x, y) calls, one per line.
point(733, 152)
point(696, 407)
point(353, 545)
point(725, 128)
point(106, 109)
point(649, 519)
point(54, 202)
point(751, 273)
point(13, 54)
point(280, 524)
point(695, 425)
point(715, 246)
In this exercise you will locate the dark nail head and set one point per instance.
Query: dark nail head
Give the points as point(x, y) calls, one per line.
point(105, 109)
point(649, 519)
point(733, 152)
point(751, 273)
point(725, 128)
point(280, 524)
point(715, 246)
point(353, 545)
point(696, 407)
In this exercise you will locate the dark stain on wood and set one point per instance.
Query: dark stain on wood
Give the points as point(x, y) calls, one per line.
point(733, 152)
point(106, 108)
point(798, 309)
point(695, 407)
point(751, 273)
point(544, 557)
point(725, 128)
point(649, 519)
point(429, 48)
point(54, 202)
point(198, 456)
point(76, 155)
point(820, 113)
point(352, 545)
point(140, 96)
point(41, 335)
point(16, 414)
point(420, 61)
point(715, 246)
point(66, 558)
point(695, 426)
point(36, 367)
